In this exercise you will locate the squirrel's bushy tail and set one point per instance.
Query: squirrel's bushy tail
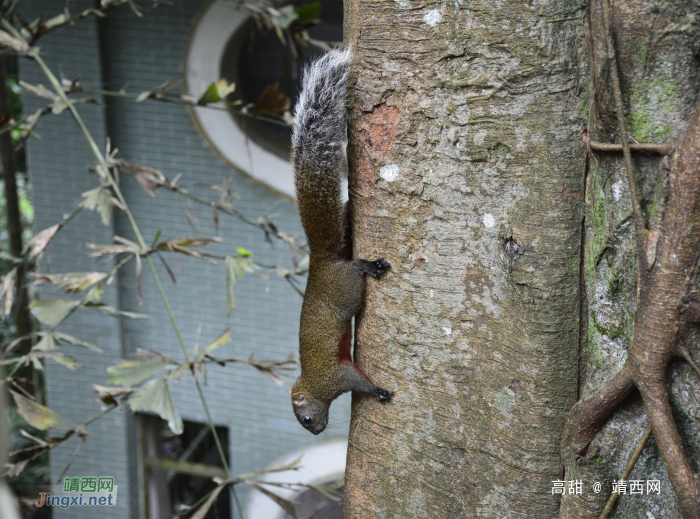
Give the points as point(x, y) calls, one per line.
point(318, 137)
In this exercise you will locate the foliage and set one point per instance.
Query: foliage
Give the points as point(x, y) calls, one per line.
point(143, 384)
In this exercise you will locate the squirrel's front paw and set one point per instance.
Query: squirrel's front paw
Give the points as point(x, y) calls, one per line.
point(383, 394)
point(381, 267)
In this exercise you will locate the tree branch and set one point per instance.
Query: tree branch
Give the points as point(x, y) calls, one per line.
point(598, 407)
point(660, 148)
point(628, 470)
point(622, 127)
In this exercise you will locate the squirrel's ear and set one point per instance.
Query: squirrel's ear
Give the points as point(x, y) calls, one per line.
point(298, 399)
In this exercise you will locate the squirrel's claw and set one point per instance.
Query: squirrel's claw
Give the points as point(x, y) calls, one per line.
point(380, 267)
point(383, 394)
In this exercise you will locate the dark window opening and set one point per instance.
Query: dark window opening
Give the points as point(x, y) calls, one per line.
point(254, 60)
point(178, 470)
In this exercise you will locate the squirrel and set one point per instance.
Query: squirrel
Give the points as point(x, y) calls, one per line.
point(336, 282)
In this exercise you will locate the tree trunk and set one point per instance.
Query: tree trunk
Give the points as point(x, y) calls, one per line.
point(467, 174)
point(637, 282)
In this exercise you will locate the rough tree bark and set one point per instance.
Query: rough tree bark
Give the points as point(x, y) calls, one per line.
point(467, 174)
point(640, 271)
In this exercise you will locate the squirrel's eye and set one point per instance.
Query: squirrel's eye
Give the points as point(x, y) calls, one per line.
point(307, 420)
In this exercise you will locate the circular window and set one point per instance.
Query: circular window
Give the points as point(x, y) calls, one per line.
point(226, 43)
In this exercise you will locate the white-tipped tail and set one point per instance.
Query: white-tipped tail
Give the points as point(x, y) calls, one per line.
point(318, 138)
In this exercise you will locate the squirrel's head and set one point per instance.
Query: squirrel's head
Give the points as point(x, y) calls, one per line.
point(312, 414)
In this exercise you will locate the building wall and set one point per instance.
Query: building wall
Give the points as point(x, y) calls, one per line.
point(123, 50)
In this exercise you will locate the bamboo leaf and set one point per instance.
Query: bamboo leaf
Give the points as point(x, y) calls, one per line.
point(187, 246)
point(39, 416)
point(74, 340)
point(202, 512)
point(106, 250)
point(309, 13)
point(64, 360)
point(98, 199)
point(71, 283)
point(113, 312)
point(236, 268)
point(52, 312)
point(216, 92)
point(38, 243)
point(286, 504)
point(46, 343)
point(222, 339)
point(132, 372)
point(109, 395)
point(155, 396)
point(7, 292)
point(285, 16)
point(11, 42)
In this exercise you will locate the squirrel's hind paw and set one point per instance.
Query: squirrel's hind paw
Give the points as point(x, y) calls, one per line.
point(383, 394)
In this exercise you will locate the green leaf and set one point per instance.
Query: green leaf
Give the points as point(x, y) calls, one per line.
point(74, 340)
point(215, 344)
point(99, 200)
point(63, 360)
point(210, 96)
point(39, 416)
point(286, 16)
point(243, 252)
point(155, 396)
point(308, 12)
point(132, 372)
point(113, 312)
point(95, 294)
point(236, 268)
point(55, 21)
point(52, 312)
point(216, 92)
point(71, 283)
point(46, 343)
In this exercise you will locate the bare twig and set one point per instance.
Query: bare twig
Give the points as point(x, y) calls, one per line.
point(660, 148)
point(686, 355)
point(622, 127)
point(628, 470)
point(176, 99)
point(72, 459)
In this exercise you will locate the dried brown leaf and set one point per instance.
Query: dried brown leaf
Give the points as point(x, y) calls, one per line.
point(272, 101)
point(38, 243)
point(7, 292)
point(72, 282)
point(110, 395)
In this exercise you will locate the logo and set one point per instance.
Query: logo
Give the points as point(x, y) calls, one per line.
point(82, 491)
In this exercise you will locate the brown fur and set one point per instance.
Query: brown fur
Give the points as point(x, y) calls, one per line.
point(335, 287)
